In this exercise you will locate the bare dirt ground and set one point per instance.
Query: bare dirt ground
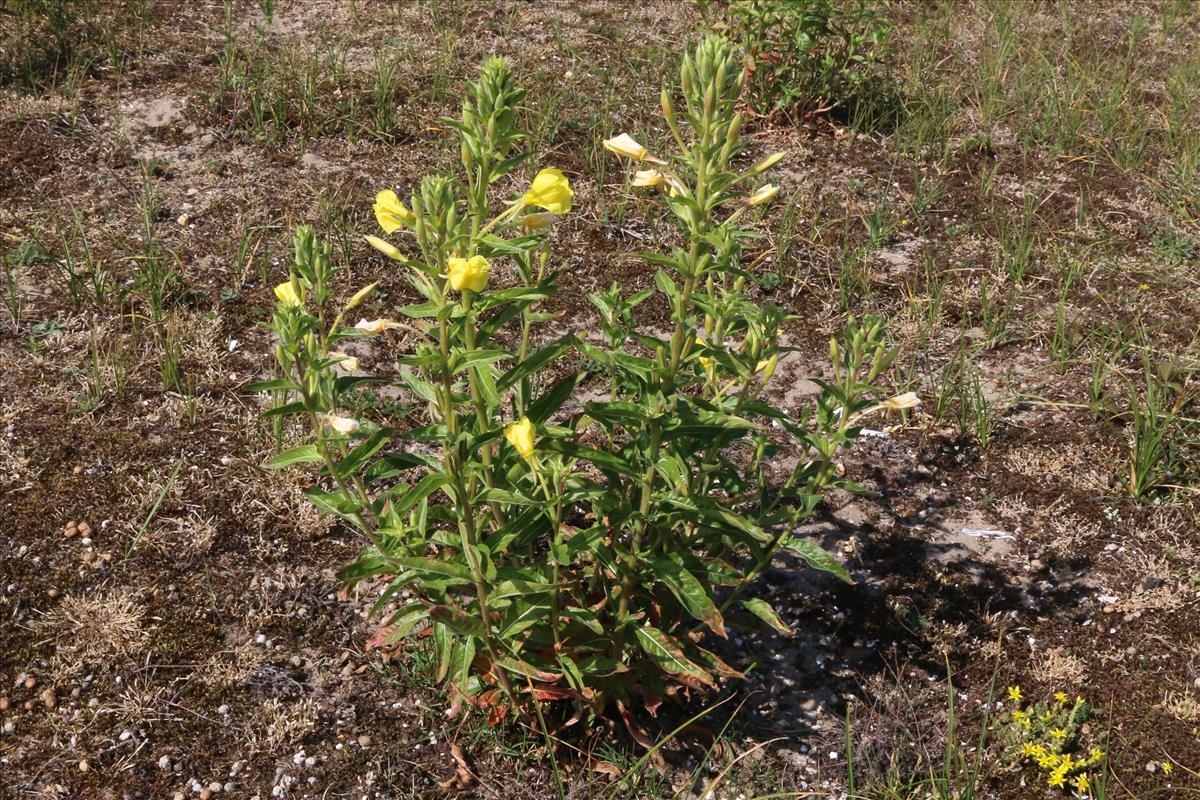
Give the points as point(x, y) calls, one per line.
point(186, 636)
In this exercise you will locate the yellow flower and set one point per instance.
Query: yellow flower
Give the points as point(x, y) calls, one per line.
point(375, 326)
point(1058, 733)
point(390, 213)
point(468, 273)
point(1167, 767)
point(1057, 779)
point(539, 221)
point(345, 361)
point(1014, 693)
point(764, 194)
point(1081, 783)
point(1095, 754)
point(286, 292)
point(650, 178)
point(1032, 750)
point(520, 435)
point(387, 248)
point(1019, 715)
point(550, 190)
point(1061, 698)
point(343, 425)
point(625, 145)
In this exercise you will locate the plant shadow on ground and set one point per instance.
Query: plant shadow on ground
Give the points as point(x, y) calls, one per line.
point(914, 602)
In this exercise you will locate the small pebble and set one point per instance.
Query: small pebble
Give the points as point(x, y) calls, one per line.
point(4, 703)
point(84, 766)
point(78, 469)
point(164, 762)
point(49, 700)
point(53, 592)
point(364, 741)
point(183, 220)
point(30, 682)
point(205, 794)
point(85, 529)
point(215, 787)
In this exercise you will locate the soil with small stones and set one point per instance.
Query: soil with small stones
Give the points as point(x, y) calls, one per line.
point(199, 644)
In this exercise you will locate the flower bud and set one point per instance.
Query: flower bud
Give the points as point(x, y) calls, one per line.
point(763, 194)
point(361, 295)
point(767, 163)
point(387, 248)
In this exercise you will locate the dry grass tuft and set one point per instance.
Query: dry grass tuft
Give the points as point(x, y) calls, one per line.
point(96, 629)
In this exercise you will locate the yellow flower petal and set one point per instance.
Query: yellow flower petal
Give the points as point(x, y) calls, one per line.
point(625, 145)
point(550, 190)
point(286, 292)
point(540, 221)
point(375, 326)
point(649, 178)
point(343, 425)
point(468, 273)
point(390, 213)
point(520, 435)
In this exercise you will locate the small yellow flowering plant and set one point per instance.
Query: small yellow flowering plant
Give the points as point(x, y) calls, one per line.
point(554, 540)
point(1050, 735)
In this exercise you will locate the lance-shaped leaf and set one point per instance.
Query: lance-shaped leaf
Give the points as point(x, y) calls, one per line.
point(668, 655)
point(536, 361)
point(817, 557)
point(528, 670)
point(689, 591)
point(304, 454)
point(458, 621)
point(763, 610)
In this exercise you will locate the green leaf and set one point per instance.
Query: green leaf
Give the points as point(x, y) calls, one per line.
point(667, 654)
point(694, 596)
point(474, 358)
point(458, 621)
point(497, 495)
point(763, 610)
point(520, 617)
point(536, 361)
point(527, 669)
point(425, 487)
point(553, 398)
point(367, 448)
point(304, 454)
point(370, 563)
point(287, 408)
point(817, 557)
point(433, 566)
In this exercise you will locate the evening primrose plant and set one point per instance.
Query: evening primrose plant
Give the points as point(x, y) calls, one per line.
point(569, 517)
